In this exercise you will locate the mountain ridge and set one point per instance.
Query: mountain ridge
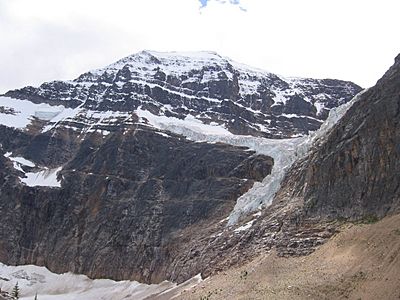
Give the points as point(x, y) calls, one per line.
point(210, 88)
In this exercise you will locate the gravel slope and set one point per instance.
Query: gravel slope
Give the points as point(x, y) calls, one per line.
point(360, 262)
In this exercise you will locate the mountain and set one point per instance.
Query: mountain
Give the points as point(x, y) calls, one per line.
point(338, 190)
point(130, 171)
point(348, 174)
point(204, 85)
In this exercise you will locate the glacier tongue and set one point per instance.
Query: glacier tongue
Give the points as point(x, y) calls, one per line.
point(284, 152)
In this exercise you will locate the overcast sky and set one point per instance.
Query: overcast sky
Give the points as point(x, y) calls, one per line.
point(43, 40)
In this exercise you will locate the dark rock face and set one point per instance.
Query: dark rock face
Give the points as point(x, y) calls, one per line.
point(204, 85)
point(121, 200)
point(354, 173)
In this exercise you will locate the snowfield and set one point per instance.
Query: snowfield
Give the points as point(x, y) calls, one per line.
point(50, 286)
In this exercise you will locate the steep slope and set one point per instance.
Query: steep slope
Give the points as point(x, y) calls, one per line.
point(119, 201)
point(361, 262)
point(353, 174)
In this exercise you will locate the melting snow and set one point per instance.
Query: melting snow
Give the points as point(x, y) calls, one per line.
point(24, 111)
point(245, 226)
point(20, 160)
point(44, 177)
point(175, 125)
point(47, 177)
point(50, 286)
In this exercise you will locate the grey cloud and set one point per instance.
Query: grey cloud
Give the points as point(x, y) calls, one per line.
point(52, 51)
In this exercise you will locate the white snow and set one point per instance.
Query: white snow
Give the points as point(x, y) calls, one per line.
point(244, 227)
point(319, 106)
point(25, 111)
point(19, 162)
point(68, 113)
point(257, 214)
point(224, 220)
point(45, 115)
point(290, 116)
point(162, 134)
point(46, 177)
point(22, 161)
point(50, 286)
point(180, 125)
point(89, 119)
point(172, 92)
point(171, 63)
point(280, 97)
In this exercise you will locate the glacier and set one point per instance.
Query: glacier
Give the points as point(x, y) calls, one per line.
point(284, 151)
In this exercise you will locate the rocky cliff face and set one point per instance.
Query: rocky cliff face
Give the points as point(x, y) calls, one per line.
point(91, 182)
point(119, 202)
point(353, 173)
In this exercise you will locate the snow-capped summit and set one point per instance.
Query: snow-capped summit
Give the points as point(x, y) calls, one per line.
point(204, 86)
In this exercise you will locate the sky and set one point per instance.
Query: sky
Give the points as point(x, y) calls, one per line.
point(44, 40)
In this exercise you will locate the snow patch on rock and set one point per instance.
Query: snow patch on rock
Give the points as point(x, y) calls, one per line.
point(46, 177)
point(22, 112)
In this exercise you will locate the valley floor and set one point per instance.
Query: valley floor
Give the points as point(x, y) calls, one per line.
point(360, 262)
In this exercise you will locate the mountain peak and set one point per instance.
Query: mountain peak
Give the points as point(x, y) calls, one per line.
point(171, 62)
point(174, 54)
point(203, 85)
